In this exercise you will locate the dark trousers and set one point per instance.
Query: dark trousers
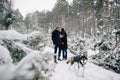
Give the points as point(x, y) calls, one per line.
point(57, 47)
point(64, 53)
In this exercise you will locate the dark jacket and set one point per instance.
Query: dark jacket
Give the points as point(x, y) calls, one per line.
point(64, 41)
point(56, 37)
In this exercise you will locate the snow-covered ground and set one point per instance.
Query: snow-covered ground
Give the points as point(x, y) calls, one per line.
point(60, 71)
point(91, 72)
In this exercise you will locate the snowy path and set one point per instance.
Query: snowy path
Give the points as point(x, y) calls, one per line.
point(92, 72)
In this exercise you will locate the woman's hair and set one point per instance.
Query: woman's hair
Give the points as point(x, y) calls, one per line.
point(63, 31)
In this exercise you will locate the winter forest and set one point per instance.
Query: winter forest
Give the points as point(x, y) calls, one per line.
point(26, 48)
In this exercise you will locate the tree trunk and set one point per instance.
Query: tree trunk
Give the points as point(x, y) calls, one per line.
point(6, 27)
point(94, 26)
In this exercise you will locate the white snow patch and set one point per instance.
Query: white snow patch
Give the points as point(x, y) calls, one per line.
point(14, 35)
point(6, 72)
point(48, 49)
point(92, 52)
point(32, 34)
point(5, 55)
point(11, 35)
point(27, 59)
point(24, 47)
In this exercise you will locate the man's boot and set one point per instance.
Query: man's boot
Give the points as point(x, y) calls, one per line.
point(55, 61)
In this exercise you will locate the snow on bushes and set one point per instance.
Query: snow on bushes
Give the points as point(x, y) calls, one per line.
point(108, 60)
point(13, 40)
point(26, 63)
point(103, 52)
point(108, 57)
point(5, 57)
point(16, 52)
point(76, 45)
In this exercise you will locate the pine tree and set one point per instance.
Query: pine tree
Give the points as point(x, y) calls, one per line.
point(6, 13)
point(60, 11)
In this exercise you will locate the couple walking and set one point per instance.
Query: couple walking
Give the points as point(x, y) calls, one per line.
point(59, 38)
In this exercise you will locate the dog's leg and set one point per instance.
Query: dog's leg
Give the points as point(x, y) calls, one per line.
point(69, 67)
point(74, 67)
point(83, 70)
point(78, 70)
point(78, 66)
point(69, 61)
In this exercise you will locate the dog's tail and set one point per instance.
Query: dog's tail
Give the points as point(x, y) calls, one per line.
point(68, 61)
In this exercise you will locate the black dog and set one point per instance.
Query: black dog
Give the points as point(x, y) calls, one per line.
point(80, 59)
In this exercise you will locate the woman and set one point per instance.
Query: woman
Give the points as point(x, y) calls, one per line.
point(64, 43)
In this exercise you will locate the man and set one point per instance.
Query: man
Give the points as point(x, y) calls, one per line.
point(57, 42)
